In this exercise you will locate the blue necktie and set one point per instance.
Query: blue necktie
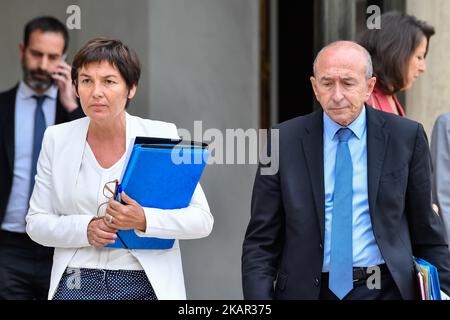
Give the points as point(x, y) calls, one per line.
point(39, 129)
point(341, 260)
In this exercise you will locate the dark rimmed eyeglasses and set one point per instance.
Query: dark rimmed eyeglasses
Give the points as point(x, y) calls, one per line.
point(109, 192)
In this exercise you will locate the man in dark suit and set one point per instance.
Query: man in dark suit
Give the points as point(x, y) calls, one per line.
point(350, 205)
point(44, 97)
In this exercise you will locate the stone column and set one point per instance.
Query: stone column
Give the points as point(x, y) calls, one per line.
point(430, 95)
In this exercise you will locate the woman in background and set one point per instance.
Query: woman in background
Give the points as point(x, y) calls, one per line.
point(398, 50)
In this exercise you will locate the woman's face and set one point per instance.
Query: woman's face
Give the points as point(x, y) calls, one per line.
point(416, 64)
point(102, 90)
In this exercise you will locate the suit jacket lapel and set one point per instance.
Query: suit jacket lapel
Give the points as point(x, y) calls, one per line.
point(73, 149)
point(377, 139)
point(8, 125)
point(313, 151)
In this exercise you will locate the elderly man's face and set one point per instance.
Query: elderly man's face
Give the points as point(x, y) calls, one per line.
point(340, 83)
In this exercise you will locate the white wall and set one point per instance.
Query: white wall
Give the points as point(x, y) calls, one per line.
point(204, 66)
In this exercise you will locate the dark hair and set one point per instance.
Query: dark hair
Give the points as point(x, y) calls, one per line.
point(45, 24)
point(112, 51)
point(392, 46)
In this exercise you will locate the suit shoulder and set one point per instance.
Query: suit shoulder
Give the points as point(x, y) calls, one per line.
point(395, 122)
point(298, 122)
point(443, 120)
point(66, 127)
point(156, 123)
point(161, 127)
point(8, 95)
point(8, 92)
point(153, 123)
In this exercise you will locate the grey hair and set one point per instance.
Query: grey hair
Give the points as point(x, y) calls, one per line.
point(369, 65)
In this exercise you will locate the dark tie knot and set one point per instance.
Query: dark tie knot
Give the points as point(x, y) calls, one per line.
point(40, 100)
point(344, 134)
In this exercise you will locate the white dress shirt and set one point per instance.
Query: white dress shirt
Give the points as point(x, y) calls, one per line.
point(365, 249)
point(17, 206)
point(89, 192)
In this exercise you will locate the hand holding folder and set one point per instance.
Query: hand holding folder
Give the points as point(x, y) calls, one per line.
point(163, 174)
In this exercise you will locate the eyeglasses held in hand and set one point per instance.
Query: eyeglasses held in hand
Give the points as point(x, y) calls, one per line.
point(109, 192)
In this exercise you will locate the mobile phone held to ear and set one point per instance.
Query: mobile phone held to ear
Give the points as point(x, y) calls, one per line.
point(63, 59)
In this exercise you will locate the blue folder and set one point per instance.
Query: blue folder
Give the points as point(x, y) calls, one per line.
point(429, 275)
point(163, 174)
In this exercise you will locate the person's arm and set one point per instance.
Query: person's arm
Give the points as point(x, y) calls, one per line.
point(44, 225)
point(426, 228)
point(263, 240)
point(440, 155)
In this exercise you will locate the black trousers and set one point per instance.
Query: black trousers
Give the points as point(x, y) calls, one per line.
point(387, 290)
point(25, 267)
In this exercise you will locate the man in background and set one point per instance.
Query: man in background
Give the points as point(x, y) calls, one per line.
point(43, 97)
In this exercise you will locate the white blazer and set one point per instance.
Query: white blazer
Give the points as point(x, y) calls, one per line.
point(53, 221)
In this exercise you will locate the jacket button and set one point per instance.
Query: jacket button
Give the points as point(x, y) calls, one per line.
point(320, 246)
point(316, 282)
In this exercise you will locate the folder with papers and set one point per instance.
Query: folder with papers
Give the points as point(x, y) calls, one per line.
point(428, 280)
point(160, 173)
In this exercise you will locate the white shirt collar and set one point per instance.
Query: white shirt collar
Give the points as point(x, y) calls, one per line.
point(25, 92)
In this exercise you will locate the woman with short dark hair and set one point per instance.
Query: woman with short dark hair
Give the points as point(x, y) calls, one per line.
point(69, 209)
point(398, 50)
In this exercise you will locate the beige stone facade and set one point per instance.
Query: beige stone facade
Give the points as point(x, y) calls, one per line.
point(430, 95)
